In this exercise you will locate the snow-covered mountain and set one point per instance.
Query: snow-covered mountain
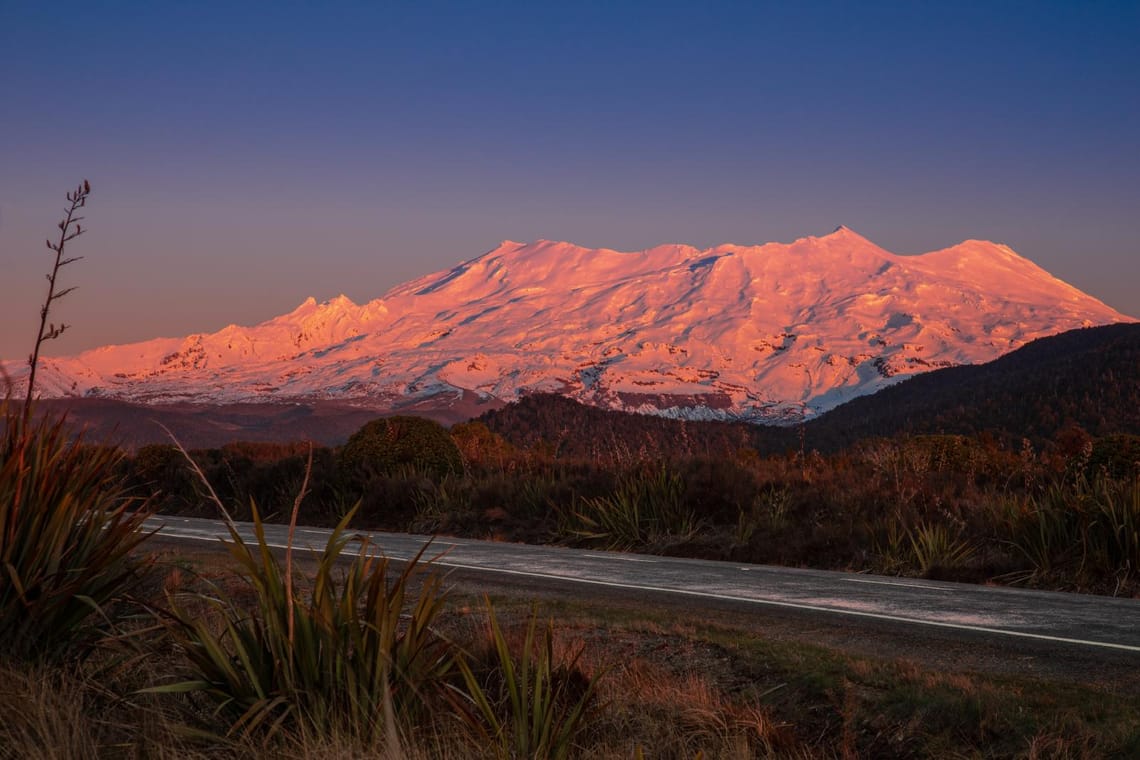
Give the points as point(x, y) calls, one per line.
point(770, 333)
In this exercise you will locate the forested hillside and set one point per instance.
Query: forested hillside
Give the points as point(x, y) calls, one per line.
point(1086, 378)
point(572, 430)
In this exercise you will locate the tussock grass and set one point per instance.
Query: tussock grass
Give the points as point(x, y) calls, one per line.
point(690, 715)
point(90, 712)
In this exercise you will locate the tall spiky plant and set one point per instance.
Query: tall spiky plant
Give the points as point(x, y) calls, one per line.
point(67, 530)
point(356, 650)
point(359, 648)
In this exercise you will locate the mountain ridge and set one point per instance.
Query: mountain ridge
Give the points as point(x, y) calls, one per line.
point(775, 332)
point(1084, 378)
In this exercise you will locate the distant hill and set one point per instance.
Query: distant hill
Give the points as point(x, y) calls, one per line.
point(571, 429)
point(1088, 377)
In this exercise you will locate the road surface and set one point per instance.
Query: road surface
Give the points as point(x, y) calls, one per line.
point(1017, 616)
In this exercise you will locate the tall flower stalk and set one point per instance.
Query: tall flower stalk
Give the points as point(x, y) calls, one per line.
point(69, 229)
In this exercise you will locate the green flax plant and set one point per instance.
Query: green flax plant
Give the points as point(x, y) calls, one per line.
point(1080, 529)
point(533, 704)
point(67, 533)
point(934, 546)
point(358, 646)
point(645, 509)
point(1048, 530)
point(1115, 544)
point(340, 662)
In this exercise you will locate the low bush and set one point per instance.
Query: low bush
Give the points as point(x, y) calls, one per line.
point(1115, 456)
point(385, 444)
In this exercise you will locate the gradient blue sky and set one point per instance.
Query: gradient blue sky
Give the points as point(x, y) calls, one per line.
point(244, 156)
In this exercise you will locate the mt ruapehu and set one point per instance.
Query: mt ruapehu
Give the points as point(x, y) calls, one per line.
point(773, 332)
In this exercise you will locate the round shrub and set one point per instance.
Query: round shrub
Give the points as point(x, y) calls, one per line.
point(390, 443)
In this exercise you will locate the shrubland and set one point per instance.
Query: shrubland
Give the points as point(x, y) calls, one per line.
point(951, 507)
point(324, 656)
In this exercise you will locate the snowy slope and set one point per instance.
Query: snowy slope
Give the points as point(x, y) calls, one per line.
point(769, 332)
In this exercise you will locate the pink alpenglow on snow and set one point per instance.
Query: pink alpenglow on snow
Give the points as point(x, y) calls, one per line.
point(773, 332)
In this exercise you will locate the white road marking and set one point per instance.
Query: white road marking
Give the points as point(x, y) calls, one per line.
point(794, 605)
point(768, 602)
point(620, 558)
point(899, 583)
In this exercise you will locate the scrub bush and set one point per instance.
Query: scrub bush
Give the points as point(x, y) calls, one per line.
point(386, 444)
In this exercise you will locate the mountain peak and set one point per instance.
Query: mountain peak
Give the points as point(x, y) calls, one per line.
point(845, 233)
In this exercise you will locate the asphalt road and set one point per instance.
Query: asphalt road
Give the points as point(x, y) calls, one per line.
point(1004, 616)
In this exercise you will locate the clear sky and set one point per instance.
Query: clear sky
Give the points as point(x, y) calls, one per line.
point(244, 156)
